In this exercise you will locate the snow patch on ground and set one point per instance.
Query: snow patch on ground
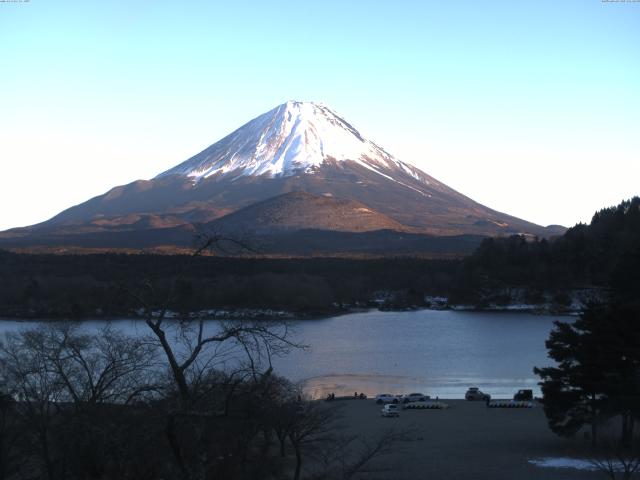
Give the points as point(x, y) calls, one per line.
point(568, 462)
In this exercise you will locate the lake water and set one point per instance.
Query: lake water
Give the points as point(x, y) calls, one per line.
point(439, 353)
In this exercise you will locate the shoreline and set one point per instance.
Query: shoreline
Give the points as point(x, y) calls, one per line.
point(269, 314)
point(452, 387)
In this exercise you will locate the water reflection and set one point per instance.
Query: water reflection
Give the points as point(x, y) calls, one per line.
point(439, 353)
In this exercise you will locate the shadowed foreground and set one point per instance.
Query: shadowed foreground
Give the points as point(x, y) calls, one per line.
point(467, 441)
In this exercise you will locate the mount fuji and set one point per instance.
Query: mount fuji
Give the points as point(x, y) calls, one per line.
point(299, 171)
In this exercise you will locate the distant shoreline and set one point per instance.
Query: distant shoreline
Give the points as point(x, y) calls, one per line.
point(283, 315)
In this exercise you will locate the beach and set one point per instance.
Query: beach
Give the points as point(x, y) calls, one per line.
point(465, 441)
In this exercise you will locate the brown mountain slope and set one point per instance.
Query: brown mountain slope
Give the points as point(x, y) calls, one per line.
point(431, 208)
point(301, 210)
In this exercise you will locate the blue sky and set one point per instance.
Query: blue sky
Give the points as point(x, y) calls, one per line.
point(530, 107)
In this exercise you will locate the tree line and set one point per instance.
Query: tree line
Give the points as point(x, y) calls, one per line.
point(595, 382)
point(85, 286)
point(586, 255)
point(90, 286)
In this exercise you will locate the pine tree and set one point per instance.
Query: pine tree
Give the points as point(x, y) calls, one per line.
point(597, 376)
point(574, 392)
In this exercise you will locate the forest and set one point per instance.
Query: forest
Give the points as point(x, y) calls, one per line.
point(79, 286)
point(97, 285)
point(585, 256)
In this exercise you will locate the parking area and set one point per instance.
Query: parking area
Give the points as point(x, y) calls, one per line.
point(466, 441)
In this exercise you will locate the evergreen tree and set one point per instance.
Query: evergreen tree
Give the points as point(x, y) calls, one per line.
point(597, 376)
point(575, 391)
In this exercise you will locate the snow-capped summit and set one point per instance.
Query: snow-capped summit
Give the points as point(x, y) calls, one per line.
point(292, 138)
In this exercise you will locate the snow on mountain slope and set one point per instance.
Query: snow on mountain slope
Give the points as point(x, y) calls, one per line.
point(292, 138)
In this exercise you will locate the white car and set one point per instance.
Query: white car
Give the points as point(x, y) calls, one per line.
point(386, 398)
point(415, 397)
point(390, 410)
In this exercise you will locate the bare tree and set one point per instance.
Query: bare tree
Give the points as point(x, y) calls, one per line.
point(346, 456)
point(109, 367)
point(38, 390)
point(194, 349)
point(191, 348)
point(367, 451)
point(57, 373)
point(311, 423)
point(616, 458)
point(283, 409)
point(10, 435)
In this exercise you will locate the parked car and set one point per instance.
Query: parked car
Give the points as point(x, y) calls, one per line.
point(474, 393)
point(415, 397)
point(386, 398)
point(523, 395)
point(390, 410)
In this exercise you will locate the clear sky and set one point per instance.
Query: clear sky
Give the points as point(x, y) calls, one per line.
point(529, 107)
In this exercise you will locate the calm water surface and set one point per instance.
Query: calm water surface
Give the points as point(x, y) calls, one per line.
point(440, 353)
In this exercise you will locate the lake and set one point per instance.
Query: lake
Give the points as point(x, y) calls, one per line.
point(439, 353)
